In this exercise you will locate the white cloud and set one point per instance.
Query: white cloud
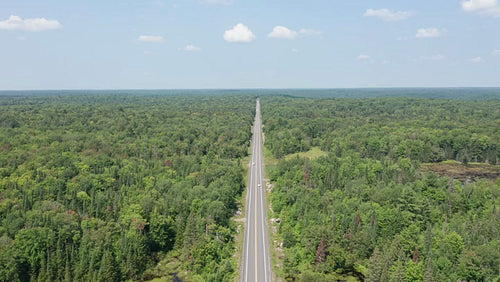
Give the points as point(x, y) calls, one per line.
point(476, 5)
point(217, 2)
point(286, 33)
point(151, 38)
point(363, 57)
point(35, 24)
point(283, 32)
point(388, 15)
point(239, 33)
point(308, 31)
point(486, 7)
point(477, 60)
point(496, 52)
point(295, 50)
point(191, 48)
point(429, 32)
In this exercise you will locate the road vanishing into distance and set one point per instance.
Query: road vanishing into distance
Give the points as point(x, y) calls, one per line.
point(256, 263)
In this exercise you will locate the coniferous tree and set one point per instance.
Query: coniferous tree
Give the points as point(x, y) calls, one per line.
point(398, 274)
point(109, 270)
point(376, 267)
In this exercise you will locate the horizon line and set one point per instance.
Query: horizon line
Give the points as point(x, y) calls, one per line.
point(252, 89)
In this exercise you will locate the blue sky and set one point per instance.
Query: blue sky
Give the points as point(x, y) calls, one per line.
point(172, 44)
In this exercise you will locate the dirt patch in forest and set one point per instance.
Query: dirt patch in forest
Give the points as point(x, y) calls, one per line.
point(464, 172)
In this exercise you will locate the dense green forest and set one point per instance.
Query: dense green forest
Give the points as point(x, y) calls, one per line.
point(111, 187)
point(366, 210)
point(135, 187)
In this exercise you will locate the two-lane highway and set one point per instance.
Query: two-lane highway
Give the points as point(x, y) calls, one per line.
point(256, 259)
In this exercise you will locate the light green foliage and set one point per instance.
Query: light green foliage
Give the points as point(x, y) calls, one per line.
point(414, 272)
point(451, 246)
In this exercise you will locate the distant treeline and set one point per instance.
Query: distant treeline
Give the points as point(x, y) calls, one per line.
point(465, 93)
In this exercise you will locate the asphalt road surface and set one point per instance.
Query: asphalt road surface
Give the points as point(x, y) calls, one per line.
point(256, 259)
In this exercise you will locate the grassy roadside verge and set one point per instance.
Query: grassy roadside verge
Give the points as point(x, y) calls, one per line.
point(240, 219)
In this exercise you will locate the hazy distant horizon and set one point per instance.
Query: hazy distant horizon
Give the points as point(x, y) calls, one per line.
point(251, 88)
point(467, 93)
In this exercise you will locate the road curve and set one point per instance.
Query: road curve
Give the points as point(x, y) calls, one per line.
point(256, 262)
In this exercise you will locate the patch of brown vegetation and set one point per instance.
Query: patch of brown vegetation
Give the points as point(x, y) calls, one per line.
point(463, 172)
